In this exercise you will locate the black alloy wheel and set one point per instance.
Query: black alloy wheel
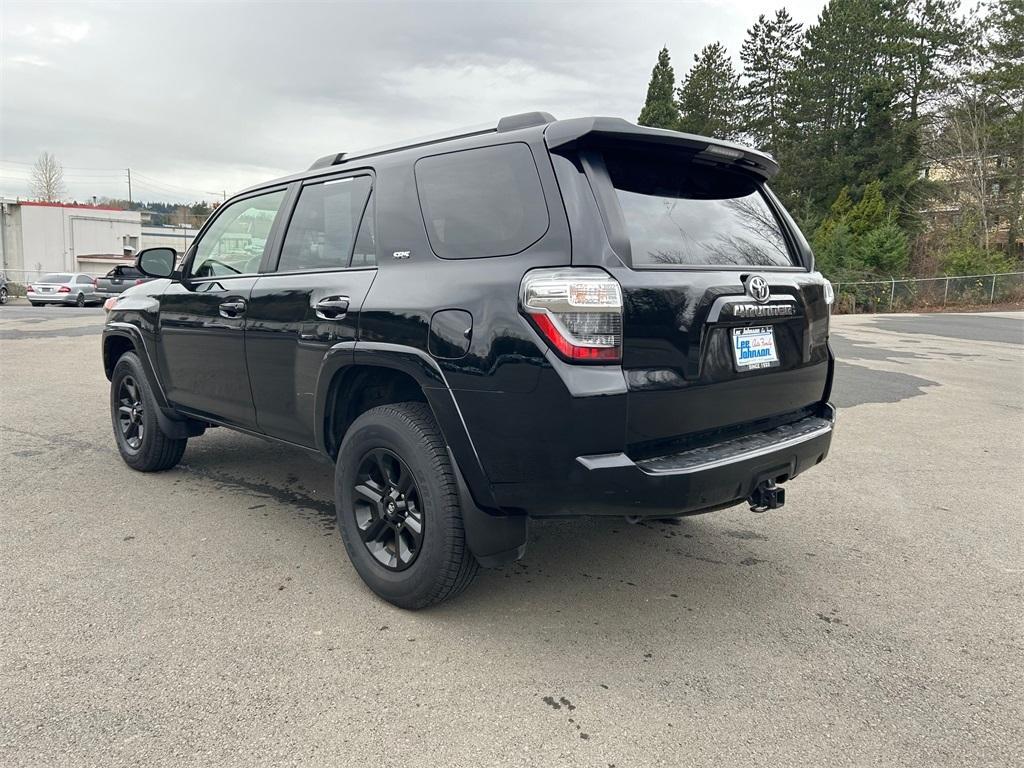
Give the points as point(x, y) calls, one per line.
point(388, 509)
point(130, 413)
point(135, 417)
point(80, 301)
point(398, 507)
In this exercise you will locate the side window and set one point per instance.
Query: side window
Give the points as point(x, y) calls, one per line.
point(235, 241)
point(83, 279)
point(323, 227)
point(365, 252)
point(481, 202)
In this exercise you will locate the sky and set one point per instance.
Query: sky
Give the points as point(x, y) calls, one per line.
point(199, 99)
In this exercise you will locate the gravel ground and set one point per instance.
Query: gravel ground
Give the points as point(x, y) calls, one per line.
point(208, 615)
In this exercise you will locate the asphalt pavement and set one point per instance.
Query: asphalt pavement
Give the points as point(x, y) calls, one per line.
point(208, 615)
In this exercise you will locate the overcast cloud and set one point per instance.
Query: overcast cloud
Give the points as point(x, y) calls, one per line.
point(202, 97)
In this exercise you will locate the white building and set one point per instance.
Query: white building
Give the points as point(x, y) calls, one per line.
point(69, 237)
point(65, 237)
point(169, 236)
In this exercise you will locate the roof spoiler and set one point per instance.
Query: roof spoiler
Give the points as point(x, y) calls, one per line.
point(567, 132)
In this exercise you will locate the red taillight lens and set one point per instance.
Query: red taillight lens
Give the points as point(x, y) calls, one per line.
point(94, 281)
point(63, 289)
point(577, 311)
point(140, 281)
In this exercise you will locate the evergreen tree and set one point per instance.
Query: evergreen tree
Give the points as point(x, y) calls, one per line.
point(1003, 80)
point(931, 39)
point(709, 95)
point(885, 147)
point(769, 55)
point(869, 213)
point(845, 51)
point(660, 110)
point(884, 250)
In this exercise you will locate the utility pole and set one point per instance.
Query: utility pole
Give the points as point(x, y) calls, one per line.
point(129, 185)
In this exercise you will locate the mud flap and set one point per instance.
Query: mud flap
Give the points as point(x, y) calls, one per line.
point(494, 539)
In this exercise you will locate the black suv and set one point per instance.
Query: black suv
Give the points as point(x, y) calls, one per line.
point(541, 318)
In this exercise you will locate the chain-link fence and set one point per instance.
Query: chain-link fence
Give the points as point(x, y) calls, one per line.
point(929, 293)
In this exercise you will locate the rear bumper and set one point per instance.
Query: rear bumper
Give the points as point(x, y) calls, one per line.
point(689, 482)
point(53, 298)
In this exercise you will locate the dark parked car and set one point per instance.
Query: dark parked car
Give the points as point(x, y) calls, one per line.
point(118, 279)
point(546, 318)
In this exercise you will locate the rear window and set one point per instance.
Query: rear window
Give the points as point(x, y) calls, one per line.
point(124, 272)
point(481, 202)
point(55, 278)
point(679, 212)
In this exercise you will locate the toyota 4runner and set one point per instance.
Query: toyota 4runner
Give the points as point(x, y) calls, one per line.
point(539, 318)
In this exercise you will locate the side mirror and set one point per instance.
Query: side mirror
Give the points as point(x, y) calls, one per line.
point(156, 262)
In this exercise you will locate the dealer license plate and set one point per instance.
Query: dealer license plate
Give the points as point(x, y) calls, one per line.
point(754, 348)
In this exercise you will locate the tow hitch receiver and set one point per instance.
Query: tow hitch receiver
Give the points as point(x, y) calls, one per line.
point(767, 496)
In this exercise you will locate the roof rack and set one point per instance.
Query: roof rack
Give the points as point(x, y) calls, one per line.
point(505, 124)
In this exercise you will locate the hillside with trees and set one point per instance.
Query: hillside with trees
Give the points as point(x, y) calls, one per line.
point(899, 126)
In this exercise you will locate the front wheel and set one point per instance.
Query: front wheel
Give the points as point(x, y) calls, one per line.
point(141, 442)
point(398, 507)
point(80, 301)
point(3, 295)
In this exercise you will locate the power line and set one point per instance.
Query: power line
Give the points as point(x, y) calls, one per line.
point(173, 186)
point(155, 183)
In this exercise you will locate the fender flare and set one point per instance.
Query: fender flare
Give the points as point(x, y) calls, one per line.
point(493, 537)
point(171, 422)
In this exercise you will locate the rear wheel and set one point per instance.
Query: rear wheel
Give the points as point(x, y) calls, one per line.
point(3, 295)
point(141, 442)
point(35, 303)
point(398, 507)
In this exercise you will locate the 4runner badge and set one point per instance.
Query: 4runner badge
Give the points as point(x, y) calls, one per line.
point(757, 289)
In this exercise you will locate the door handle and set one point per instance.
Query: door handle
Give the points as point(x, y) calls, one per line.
point(232, 308)
point(331, 308)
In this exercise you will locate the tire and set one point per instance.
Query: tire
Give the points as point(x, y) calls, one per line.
point(147, 449)
point(402, 437)
point(80, 301)
point(3, 295)
point(34, 303)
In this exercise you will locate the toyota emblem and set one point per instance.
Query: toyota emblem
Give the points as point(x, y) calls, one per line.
point(757, 288)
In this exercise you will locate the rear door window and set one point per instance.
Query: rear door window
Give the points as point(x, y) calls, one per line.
point(680, 212)
point(324, 225)
point(482, 202)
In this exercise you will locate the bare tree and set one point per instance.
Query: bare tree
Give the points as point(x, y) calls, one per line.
point(47, 181)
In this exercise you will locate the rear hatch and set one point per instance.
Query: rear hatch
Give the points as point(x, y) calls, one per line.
point(118, 279)
point(724, 327)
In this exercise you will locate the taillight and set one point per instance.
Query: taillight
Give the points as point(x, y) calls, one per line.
point(577, 311)
point(140, 281)
point(94, 281)
point(63, 289)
